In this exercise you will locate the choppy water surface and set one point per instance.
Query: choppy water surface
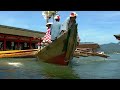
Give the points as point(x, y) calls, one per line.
point(20, 68)
point(31, 68)
point(97, 67)
point(83, 67)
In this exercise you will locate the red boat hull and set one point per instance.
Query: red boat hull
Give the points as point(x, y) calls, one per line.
point(60, 59)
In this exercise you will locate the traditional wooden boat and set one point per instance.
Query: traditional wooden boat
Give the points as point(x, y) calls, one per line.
point(18, 53)
point(61, 50)
point(117, 36)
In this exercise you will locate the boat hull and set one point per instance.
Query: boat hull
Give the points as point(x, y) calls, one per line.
point(61, 50)
point(117, 37)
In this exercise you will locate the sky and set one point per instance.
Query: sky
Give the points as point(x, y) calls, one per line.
point(93, 26)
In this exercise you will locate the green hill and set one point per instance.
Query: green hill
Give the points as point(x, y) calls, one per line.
point(110, 48)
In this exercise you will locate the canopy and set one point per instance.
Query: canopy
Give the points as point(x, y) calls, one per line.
point(48, 14)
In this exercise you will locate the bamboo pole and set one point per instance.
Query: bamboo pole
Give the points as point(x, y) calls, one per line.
point(53, 18)
point(47, 20)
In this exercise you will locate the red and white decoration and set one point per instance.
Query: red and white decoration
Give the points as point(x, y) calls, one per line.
point(57, 17)
point(73, 14)
point(47, 37)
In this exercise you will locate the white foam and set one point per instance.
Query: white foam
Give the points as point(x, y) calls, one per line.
point(16, 64)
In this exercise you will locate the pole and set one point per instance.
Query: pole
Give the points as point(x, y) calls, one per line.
point(4, 43)
point(47, 20)
point(53, 18)
point(40, 40)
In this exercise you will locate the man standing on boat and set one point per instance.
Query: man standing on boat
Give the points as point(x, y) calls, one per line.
point(68, 24)
point(55, 28)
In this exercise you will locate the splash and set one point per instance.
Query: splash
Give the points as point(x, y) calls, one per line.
point(16, 64)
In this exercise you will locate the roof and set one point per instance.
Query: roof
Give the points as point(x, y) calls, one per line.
point(117, 36)
point(20, 31)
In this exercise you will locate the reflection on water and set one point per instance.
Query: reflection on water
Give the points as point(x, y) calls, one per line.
point(16, 64)
point(20, 68)
point(30, 68)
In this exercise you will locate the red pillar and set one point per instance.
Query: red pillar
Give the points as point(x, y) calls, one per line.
point(18, 43)
point(4, 46)
point(30, 43)
point(40, 42)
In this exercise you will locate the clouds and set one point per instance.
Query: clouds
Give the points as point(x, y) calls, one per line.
point(8, 19)
point(94, 26)
point(14, 22)
point(23, 19)
point(97, 36)
point(99, 26)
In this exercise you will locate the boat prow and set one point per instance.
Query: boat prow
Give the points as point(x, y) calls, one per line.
point(61, 50)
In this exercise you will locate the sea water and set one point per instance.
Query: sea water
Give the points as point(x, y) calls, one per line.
point(83, 67)
point(97, 67)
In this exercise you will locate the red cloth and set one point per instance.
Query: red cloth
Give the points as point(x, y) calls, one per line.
point(38, 43)
point(47, 37)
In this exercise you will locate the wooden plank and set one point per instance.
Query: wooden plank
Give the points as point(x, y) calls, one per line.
point(18, 53)
point(27, 54)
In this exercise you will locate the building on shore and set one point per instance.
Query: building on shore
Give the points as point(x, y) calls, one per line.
point(88, 47)
point(13, 38)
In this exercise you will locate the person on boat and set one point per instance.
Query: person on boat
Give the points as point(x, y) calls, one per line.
point(46, 40)
point(68, 24)
point(20, 46)
point(38, 44)
point(55, 28)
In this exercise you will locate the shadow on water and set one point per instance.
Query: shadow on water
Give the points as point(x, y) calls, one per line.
point(30, 68)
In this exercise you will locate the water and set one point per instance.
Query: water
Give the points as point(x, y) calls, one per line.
point(97, 67)
point(31, 68)
point(20, 68)
point(83, 68)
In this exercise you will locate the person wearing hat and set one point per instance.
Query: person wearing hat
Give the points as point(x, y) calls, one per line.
point(46, 40)
point(55, 28)
point(71, 20)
